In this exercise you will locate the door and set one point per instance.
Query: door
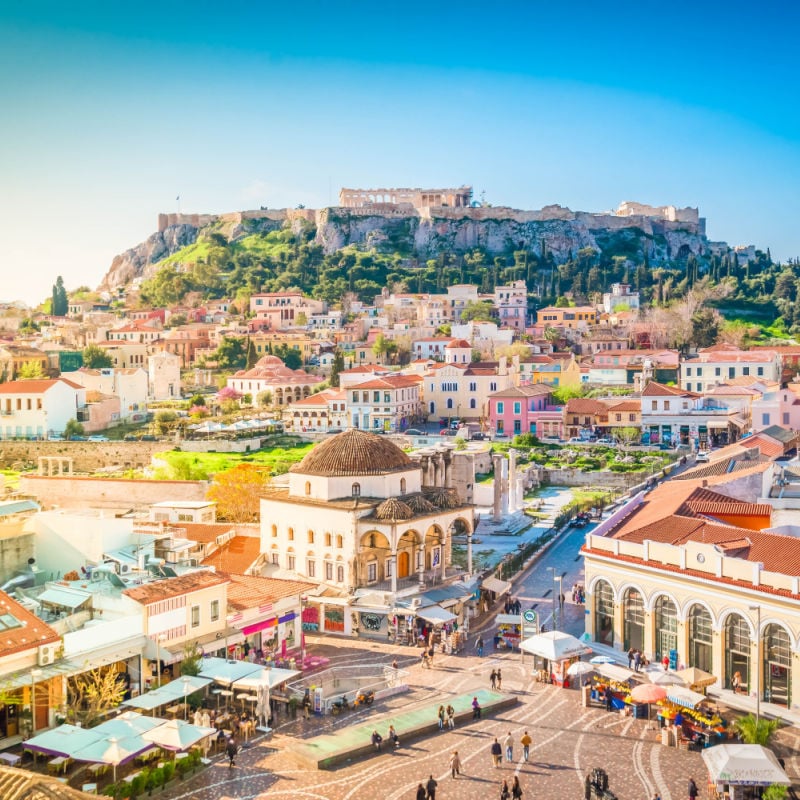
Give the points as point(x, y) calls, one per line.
point(403, 564)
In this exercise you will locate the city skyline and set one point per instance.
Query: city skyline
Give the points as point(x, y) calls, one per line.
point(115, 113)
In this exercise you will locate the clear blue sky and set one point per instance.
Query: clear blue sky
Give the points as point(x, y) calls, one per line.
point(111, 110)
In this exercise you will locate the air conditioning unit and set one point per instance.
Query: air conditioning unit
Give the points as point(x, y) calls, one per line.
point(47, 654)
point(124, 568)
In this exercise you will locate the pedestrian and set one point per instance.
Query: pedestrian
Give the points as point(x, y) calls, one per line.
point(525, 741)
point(630, 658)
point(479, 646)
point(656, 796)
point(692, 789)
point(587, 787)
point(421, 793)
point(508, 743)
point(516, 789)
point(307, 704)
point(441, 715)
point(430, 655)
point(451, 717)
point(665, 662)
point(393, 737)
point(231, 750)
point(430, 786)
point(499, 681)
point(497, 752)
point(637, 660)
point(505, 794)
point(609, 699)
point(493, 679)
point(376, 740)
point(455, 764)
point(476, 708)
point(561, 600)
point(423, 659)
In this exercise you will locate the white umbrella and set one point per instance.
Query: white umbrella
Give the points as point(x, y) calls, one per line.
point(262, 705)
point(744, 765)
point(682, 696)
point(175, 734)
point(112, 751)
point(554, 646)
point(665, 678)
point(580, 668)
point(601, 660)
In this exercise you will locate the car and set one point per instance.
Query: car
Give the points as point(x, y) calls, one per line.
point(447, 432)
point(98, 438)
point(414, 432)
point(577, 440)
point(501, 435)
point(478, 437)
point(147, 437)
point(130, 437)
point(605, 440)
point(702, 455)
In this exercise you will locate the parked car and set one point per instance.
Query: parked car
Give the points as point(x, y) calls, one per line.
point(98, 438)
point(702, 455)
point(479, 437)
point(577, 440)
point(500, 436)
point(605, 440)
point(447, 432)
point(414, 432)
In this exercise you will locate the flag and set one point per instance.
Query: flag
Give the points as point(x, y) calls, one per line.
point(178, 197)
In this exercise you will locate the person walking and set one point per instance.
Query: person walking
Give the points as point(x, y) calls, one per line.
point(430, 788)
point(508, 744)
point(455, 764)
point(451, 717)
point(307, 704)
point(421, 793)
point(505, 793)
point(499, 681)
point(497, 753)
point(516, 789)
point(479, 646)
point(493, 679)
point(525, 741)
point(637, 660)
point(231, 750)
point(376, 740)
point(587, 787)
point(630, 658)
point(441, 715)
point(692, 789)
point(476, 708)
point(393, 737)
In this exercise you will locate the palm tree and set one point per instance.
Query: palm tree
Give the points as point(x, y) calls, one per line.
point(756, 731)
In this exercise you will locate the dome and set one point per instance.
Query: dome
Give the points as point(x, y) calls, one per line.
point(354, 452)
point(419, 505)
point(443, 498)
point(393, 509)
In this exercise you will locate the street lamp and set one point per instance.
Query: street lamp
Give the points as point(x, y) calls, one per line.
point(162, 637)
point(303, 601)
point(35, 673)
point(757, 609)
point(553, 570)
point(186, 681)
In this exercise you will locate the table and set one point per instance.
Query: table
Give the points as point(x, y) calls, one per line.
point(10, 758)
point(58, 764)
point(173, 709)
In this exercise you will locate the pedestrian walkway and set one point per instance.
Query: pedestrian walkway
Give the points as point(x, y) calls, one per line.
point(328, 750)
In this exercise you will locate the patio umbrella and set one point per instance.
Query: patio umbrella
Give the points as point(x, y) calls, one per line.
point(175, 734)
point(744, 764)
point(112, 751)
point(665, 678)
point(262, 704)
point(696, 678)
point(601, 660)
point(682, 696)
point(648, 693)
point(580, 668)
point(554, 646)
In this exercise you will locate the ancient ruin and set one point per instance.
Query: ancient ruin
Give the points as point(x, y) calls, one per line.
point(416, 198)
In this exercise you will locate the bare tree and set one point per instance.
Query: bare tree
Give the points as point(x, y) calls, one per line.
point(92, 694)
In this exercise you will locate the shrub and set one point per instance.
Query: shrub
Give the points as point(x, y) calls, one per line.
point(169, 771)
point(138, 784)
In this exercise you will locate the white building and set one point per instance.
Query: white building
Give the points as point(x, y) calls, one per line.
point(724, 363)
point(129, 385)
point(511, 303)
point(620, 295)
point(164, 376)
point(39, 408)
point(388, 404)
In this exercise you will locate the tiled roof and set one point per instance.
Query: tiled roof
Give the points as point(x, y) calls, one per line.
point(457, 343)
point(625, 405)
point(352, 453)
point(21, 784)
point(174, 587)
point(710, 503)
point(251, 591)
point(585, 405)
point(235, 557)
point(204, 532)
point(34, 386)
point(28, 636)
point(655, 389)
point(389, 382)
point(526, 390)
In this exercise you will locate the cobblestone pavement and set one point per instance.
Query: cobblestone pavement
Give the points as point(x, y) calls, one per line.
point(568, 741)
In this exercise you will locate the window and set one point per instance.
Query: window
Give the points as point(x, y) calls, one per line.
point(493, 386)
point(355, 397)
point(402, 485)
point(699, 372)
point(311, 568)
point(340, 574)
point(214, 613)
point(372, 571)
point(449, 402)
point(618, 417)
point(276, 559)
point(195, 616)
point(654, 405)
point(388, 567)
point(473, 403)
point(765, 419)
point(717, 371)
point(328, 571)
point(517, 408)
point(311, 537)
point(274, 531)
point(501, 407)
point(473, 387)
point(731, 372)
point(745, 370)
point(290, 561)
point(760, 371)
point(631, 417)
point(666, 405)
point(785, 418)
point(355, 490)
point(290, 537)
point(328, 539)
point(688, 372)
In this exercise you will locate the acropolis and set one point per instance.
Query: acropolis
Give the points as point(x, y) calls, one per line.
point(416, 198)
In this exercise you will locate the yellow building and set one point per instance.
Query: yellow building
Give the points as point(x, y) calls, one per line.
point(265, 343)
point(690, 571)
point(15, 357)
point(574, 317)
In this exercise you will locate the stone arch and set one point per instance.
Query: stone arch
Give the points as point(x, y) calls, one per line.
point(767, 621)
point(603, 612)
point(625, 587)
point(723, 616)
point(460, 526)
point(590, 587)
point(650, 605)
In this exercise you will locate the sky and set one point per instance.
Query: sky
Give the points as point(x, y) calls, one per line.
point(110, 111)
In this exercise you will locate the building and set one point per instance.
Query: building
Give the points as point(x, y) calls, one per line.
point(576, 318)
point(724, 363)
point(323, 412)
point(129, 385)
point(525, 409)
point(511, 303)
point(388, 404)
point(584, 417)
point(143, 332)
point(163, 376)
point(692, 571)
point(283, 309)
point(271, 375)
point(433, 347)
point(361, 519)
point(460, 197)
point(459, 390)
point(16, 357)
point(620, 298)
point(39, 408)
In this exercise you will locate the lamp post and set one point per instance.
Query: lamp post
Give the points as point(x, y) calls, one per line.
point(303, 601)
point(553, 570)
point(35, 673)
point(186, 681)
point(757, 609)
point(162, 637)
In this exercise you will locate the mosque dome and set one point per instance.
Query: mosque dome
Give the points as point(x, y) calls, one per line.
point(352, 453)
point(393, 509)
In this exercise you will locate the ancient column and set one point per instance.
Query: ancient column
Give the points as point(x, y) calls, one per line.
point(497, 463)
point(513, 500)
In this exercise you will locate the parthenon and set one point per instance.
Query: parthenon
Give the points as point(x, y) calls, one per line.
point(418, 198)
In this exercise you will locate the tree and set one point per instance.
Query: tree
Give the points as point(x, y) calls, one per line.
point(705, 327)
point(72, 429)
point(628, 435)
point(95, 357)
point(92, 694)
point(754, 730)
point(290, 357)
point(165, 421)
point(384, 347)
point(480, 311)
point(192, 659)
point(30, 369)
point(231, 353)
point(336, 367)
point(59, 303)
point(252, 357)
point(264, 399)
point(237, 492)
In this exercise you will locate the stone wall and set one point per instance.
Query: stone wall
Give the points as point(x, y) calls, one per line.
point(605, 480)
point(116, 493)
point(87, 456)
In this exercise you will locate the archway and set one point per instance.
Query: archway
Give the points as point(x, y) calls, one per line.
point(633, 620)
point(777, 665)
point(701, 638)
point(737, 651)
point(604, 613)
point(666, 627)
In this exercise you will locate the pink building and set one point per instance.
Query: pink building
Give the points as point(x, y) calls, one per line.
point(525, 409)
point(780, 407)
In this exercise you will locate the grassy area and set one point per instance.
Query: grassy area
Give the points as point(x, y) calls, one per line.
point(10, 478)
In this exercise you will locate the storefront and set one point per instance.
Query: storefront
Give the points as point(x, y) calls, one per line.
point(508, 631)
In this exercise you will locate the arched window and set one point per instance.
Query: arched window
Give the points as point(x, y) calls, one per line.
point(328, 538)
point(339, 541)
point(308, 488)
point(473, 403)
point(666, 627)
point(402, 485)
point(777, 665)
point(340, 574)
point(356, 490)
point(291, 534)
point(737, 652)
point(449, 402)
point(311, 537)
point(274, 531)
point(604, 613)
point(633, 620)
point(701, 638)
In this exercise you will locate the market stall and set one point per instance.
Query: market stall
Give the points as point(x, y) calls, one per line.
point(508, 631)
point(557, 651)
point(740, 771)
point(694, 716)
point(613, 684)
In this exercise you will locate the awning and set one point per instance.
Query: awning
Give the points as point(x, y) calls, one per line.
point(168, 693)
point(154, 652)
point(717, 424)
point(744, 765)
point(436, 615)
point(738, 421)
point(621, 674)
point(231, 636)
point(272, 677)
point(682, 696)
point(555, 646)
point(496, 585)
point(64, 596)
point(226, 672)
point(507, 619)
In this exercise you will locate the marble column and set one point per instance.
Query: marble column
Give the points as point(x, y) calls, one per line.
point(513, 499)
point(497, 511)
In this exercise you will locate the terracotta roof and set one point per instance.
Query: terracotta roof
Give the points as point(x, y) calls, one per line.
point(352, 453)
point(585, 405)
point(389, 382)
point(21, 784)
point(393, 509)
point(237, 556)
point(251, 591)
point(526, 390)
point(174, 587)
point(710, 503)
point(655, 389)
point(28, 636)
point(625, 405)
point(458, 343)
point(34, 386)
point(203, 532)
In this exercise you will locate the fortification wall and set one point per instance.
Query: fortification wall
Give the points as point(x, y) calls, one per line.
point(87, 456)
point(116, 493)
point(195, 220)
